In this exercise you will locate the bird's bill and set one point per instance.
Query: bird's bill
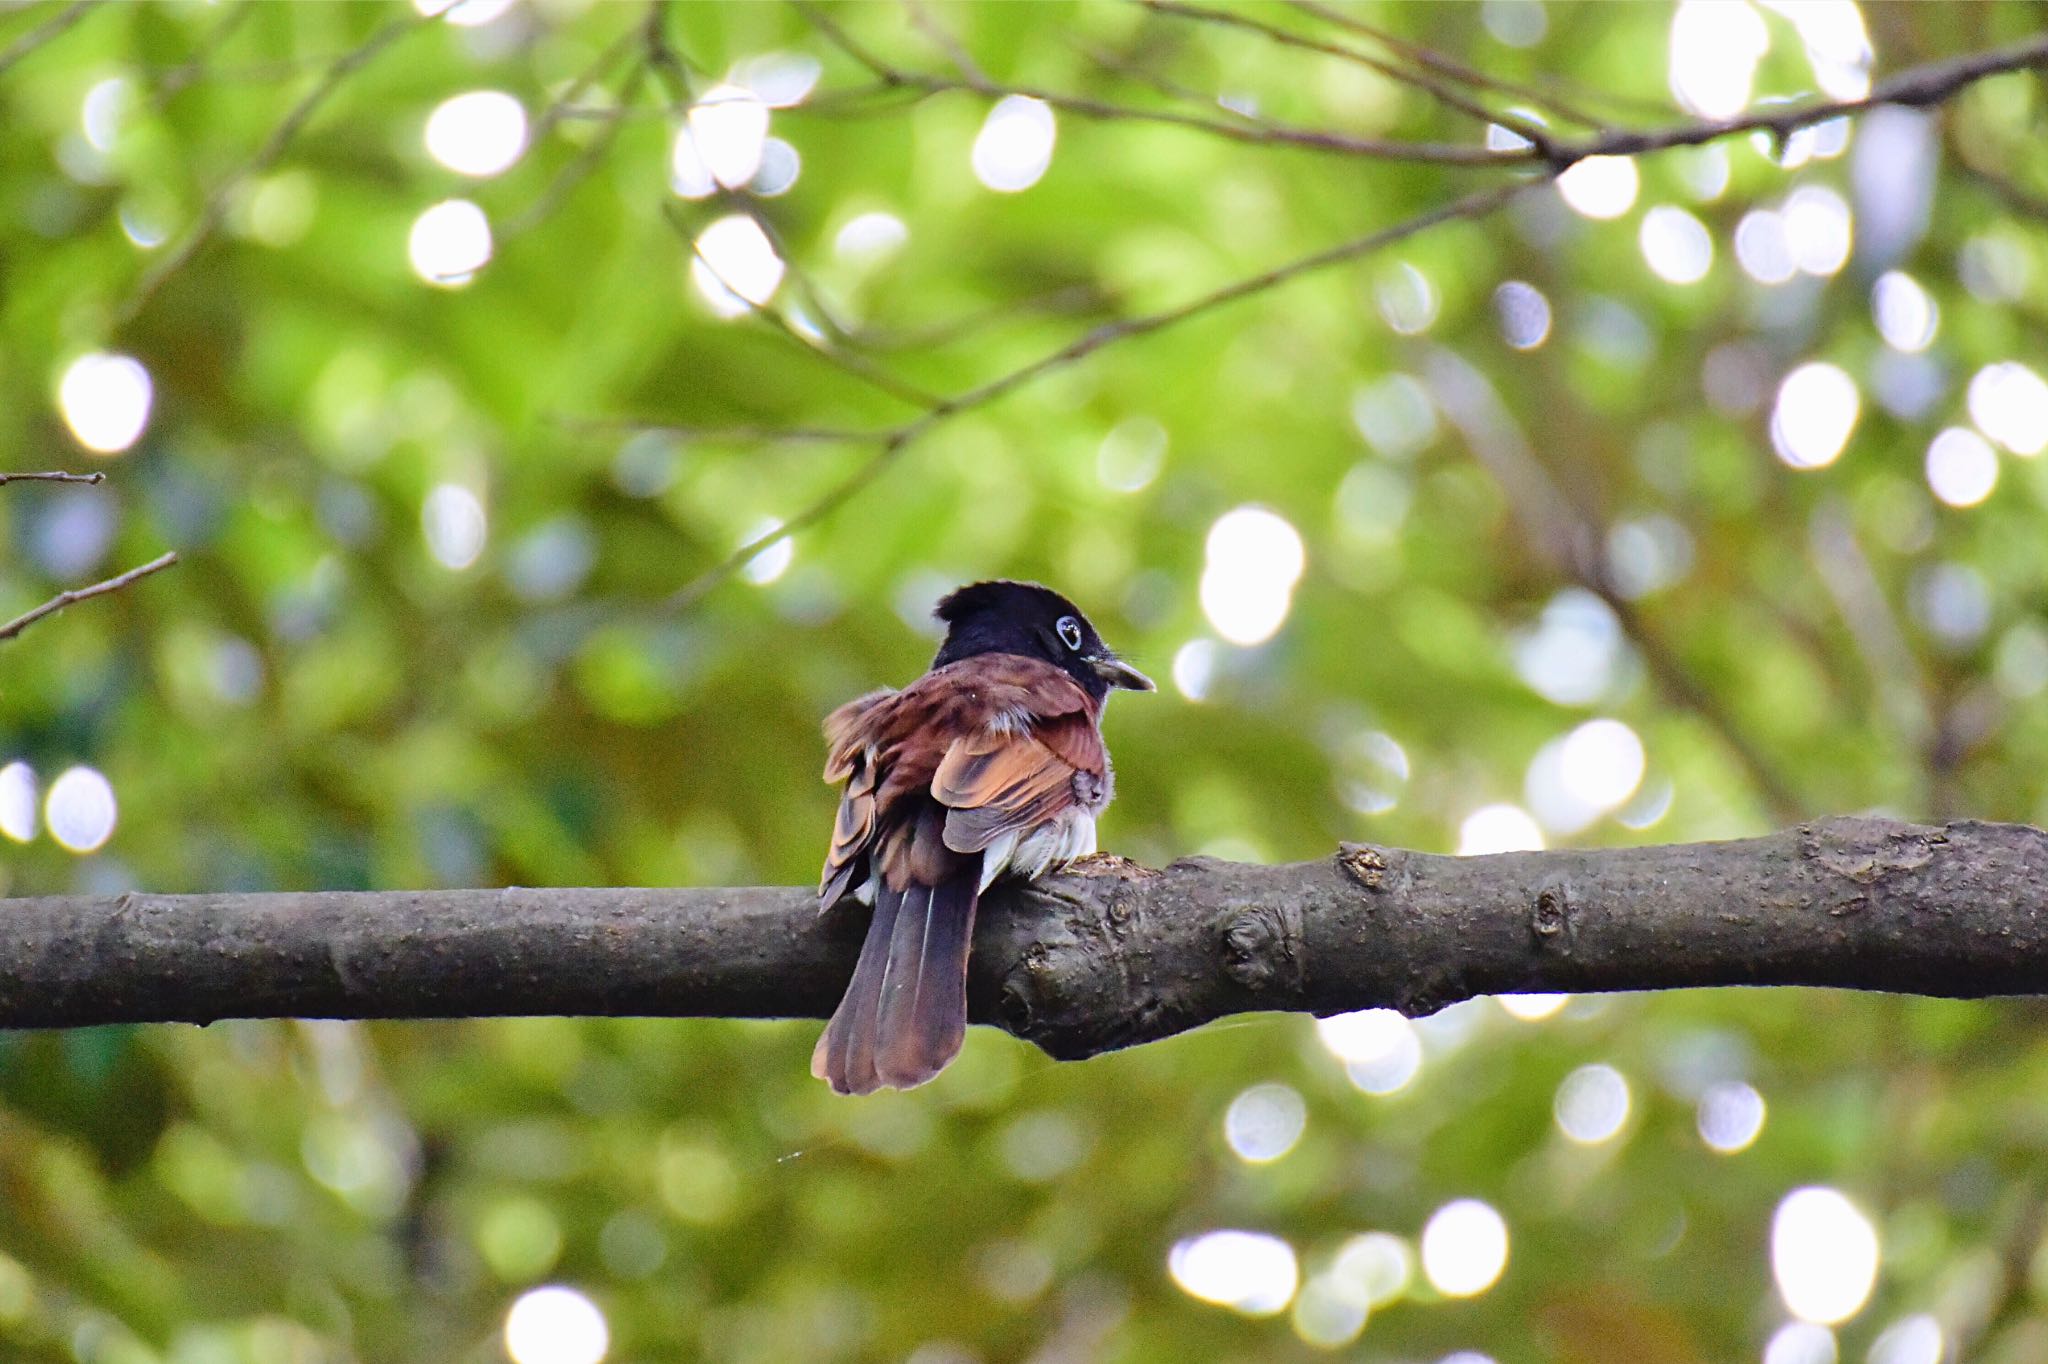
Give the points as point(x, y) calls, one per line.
point(1118, 673)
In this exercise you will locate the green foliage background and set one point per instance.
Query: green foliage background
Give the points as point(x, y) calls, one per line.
point(271, 1190)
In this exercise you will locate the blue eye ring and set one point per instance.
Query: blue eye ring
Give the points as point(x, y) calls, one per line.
point(1069, 631)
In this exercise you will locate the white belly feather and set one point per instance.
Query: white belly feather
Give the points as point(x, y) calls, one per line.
point(1031, 855)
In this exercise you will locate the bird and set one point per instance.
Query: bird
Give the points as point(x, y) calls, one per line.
point(990, 765)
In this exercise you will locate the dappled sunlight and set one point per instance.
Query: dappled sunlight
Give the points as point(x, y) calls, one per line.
point(1714, 51)
point(1962, 468)
point(18, 801)
point(106, 400)
point(1600, 187)
point(735, 267)
point(1818, 404)
point(1801, 1342)
point(479, 134)
point(1014, 148)
point(1498, 829)
point(79, 810)
point(1824, 1255)
point(1254, 558)
point(1592, 1104)
point(556, 1325)
point(2009, 403)
point(453, 522)
point(1264, 1122)
point(1380, 1048)
point(1247, 1270)
point(1675, 245)
point(1730, 1117)
point(729, 131)
point(1464, 1248)
point(1907, 315)
point(449, 243)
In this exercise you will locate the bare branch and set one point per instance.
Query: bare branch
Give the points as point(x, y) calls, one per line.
point(54, 476)
point(199, 62)
point(216, 206)
point(1435, 89)
point(1265, 132)
point(1917, 87)
point(78, 594)
point(584, 163)
point(893, 442)
point(54, 27)
point(1108, 955)
point(1433, 60)
point(737, 434)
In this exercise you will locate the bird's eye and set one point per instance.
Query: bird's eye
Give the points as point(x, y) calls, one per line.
point(1070, 632)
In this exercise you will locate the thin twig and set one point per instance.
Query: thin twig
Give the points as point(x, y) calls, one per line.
point(50, 28)
point(738, 435)
point(1446, 66)
point(581, 167)
point(78, 594)
point(896, 440)
point(848, 361)
point(1266, 133)
point(559, 107)
point(54, 476)
point(215, 209)
point(942, 38)
point(1435, 89)
point(197, 63)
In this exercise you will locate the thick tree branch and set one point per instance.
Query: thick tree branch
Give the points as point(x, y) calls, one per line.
point(1108, 956)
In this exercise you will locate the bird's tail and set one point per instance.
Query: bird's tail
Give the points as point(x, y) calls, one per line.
point(904, 1015)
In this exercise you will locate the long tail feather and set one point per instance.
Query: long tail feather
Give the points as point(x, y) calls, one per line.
point(923, 1016)
point(845, 1054)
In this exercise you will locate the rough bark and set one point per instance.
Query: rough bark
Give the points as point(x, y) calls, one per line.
point(1107, 956)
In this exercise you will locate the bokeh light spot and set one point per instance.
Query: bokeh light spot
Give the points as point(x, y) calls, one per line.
point(479, 134)
point(1014, 147)
point(2009, 403)
point(79, 810)
point(1592, 1104)
point(1464, 1248)
point(1498, 829)
point(1816, 411)
point(1800, 1342)
point(1714, 51)
point(18, 801)
point(1730, 1116)
point(1380, 1048)
point(735, 266)
point(1247, 1270)
point(1264, 1122)
point(555, 1325)
point(1532, 1008)
point(453, 522)
point(1962, 468)
point(1676, 245)
point(1600, 187)
point(449, 243)
point(1524, 314)
point(729, 129)
point(1824, 1255)
point(1907, 315)
point(1254, 560)
point(105, 400)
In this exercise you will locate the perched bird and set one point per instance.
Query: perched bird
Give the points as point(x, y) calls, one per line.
point(989, 765)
